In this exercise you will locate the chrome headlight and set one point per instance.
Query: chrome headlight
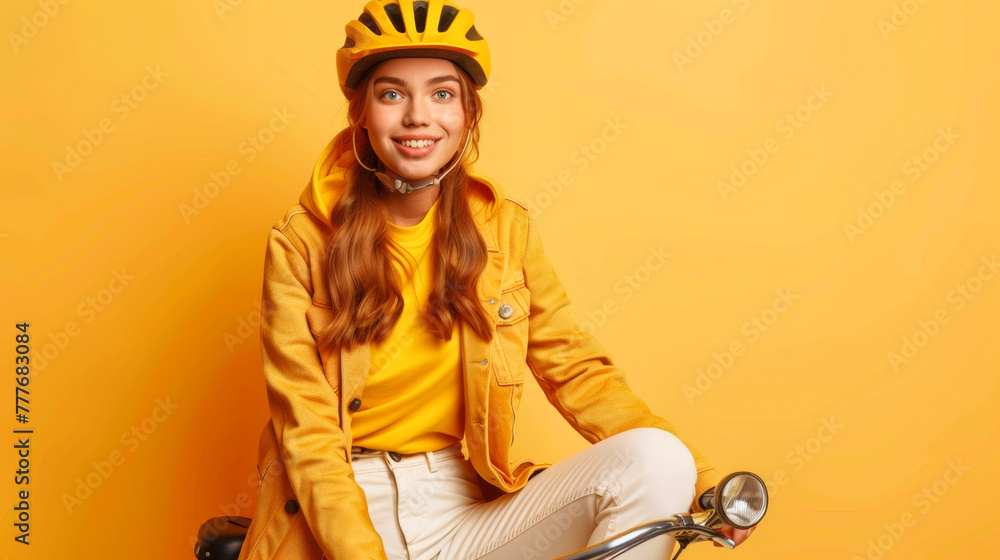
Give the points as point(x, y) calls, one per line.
point(741, 499)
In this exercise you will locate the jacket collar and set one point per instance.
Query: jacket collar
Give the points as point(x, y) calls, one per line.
point(328, 184)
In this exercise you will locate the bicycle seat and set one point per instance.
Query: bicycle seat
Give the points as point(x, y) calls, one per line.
point(220, 538)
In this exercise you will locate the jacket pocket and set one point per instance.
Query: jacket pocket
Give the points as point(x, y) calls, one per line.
point(511, 342)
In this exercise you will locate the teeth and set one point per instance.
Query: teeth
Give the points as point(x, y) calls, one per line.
point(417, 143)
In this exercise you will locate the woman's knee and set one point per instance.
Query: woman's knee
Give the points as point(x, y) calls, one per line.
point(656, 453)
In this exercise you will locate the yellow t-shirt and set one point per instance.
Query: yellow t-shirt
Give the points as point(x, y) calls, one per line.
point(413, 399)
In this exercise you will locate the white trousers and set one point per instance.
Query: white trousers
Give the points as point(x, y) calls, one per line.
point(428, 506)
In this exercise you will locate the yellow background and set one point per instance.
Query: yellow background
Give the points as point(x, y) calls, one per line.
point(561, 71)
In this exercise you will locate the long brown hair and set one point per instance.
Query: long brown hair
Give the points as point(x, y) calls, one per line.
point(365, 290)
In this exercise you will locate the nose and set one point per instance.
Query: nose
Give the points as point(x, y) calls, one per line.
point(416, 112)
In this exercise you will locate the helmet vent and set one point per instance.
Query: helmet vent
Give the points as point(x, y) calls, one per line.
point(473, 35)
point(396, 17)
point(448, 14)
point(420, 15)
point(349, 43)
point(369, 22)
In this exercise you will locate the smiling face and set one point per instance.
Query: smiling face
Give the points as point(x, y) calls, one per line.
point(416, 120)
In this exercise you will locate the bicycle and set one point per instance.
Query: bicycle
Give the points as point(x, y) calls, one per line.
point(739, 500)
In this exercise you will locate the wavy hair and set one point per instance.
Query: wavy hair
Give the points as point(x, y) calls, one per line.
point(365, 289)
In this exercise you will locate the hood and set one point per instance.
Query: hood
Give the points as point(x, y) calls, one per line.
point(327, 184)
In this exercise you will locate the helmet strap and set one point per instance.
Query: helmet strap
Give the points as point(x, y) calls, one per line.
point(396, 183)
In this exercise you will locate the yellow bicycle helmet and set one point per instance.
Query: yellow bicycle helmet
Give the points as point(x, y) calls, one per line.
point(407, 29)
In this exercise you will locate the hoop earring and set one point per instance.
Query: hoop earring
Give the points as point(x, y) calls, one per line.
point(355, 146)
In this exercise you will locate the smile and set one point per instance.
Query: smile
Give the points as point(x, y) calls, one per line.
point(415, 143)
point(416, 149)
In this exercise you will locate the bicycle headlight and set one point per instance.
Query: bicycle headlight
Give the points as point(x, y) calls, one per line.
point(741, 499)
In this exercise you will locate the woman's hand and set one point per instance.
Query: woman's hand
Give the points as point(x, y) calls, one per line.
point(734, 534)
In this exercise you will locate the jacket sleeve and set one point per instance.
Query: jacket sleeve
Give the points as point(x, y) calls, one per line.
point(576, 372)
point(305, 411)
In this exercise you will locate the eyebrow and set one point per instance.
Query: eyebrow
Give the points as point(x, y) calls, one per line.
point(402, 83)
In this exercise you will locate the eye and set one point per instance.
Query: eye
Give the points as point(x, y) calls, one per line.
point(443, 94)
point(390, 92)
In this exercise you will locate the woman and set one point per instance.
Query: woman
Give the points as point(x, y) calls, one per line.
point(406, 301)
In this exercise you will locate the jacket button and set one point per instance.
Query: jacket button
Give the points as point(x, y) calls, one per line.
point(492, 301)
point(505, 311)
point(484, 362)
point(355, 405)
point(291, 506)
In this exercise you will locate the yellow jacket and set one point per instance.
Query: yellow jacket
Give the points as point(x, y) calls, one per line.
point(309, 505)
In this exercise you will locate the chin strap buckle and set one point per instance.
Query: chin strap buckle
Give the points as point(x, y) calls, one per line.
point(395, 183)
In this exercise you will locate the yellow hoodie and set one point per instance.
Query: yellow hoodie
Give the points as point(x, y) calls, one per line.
point(308, 502)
